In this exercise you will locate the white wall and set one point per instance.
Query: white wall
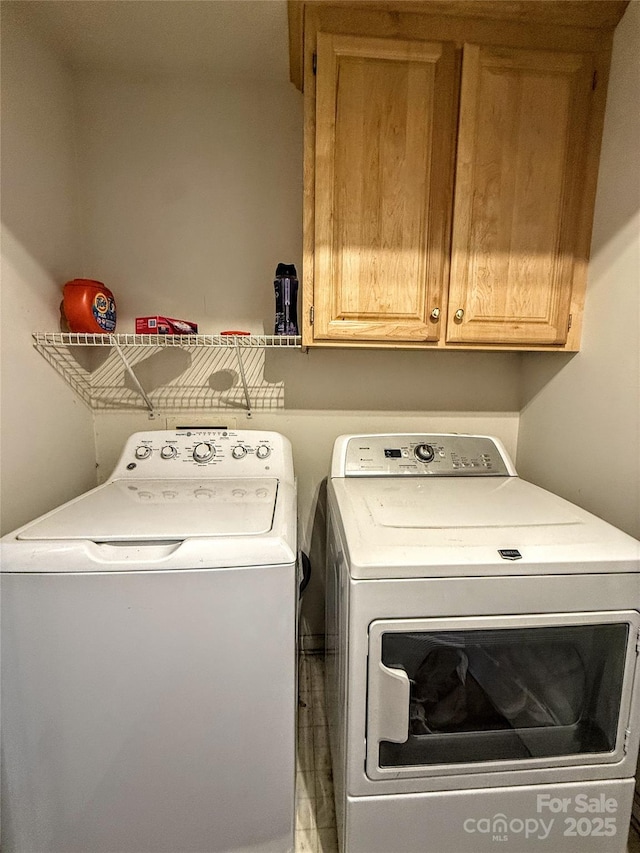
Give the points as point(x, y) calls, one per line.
point(47, 434)
point(580, 421)
point(191, 195)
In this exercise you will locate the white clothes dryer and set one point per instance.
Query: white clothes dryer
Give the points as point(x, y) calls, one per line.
point(148, 655)
point(482, 655)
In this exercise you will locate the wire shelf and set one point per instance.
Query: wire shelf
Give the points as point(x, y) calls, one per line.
point(76, 339)
point(169, 372)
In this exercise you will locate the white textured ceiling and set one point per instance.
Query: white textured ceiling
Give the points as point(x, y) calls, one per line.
point(231, 39)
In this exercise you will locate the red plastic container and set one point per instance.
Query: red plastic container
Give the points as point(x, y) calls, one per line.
point(89, 306)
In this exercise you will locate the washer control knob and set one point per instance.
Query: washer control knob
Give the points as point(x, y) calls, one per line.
point(424, 452)
point(169, 451)
point(203, 452)
point(143, 452)
point(262, 451)
point(239, 451)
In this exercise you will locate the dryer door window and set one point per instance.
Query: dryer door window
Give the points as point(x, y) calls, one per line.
point(498, 692)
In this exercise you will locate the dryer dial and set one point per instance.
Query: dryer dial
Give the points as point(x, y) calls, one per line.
point(262, 451)
point(168, 451)
point(203, 452)
point(143, 452)
point(424, 452)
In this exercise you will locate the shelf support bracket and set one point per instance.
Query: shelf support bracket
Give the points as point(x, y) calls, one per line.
point(134, 378)
point(245, 387)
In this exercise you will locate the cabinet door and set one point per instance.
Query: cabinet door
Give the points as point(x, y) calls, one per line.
point(383, 184)
point(520, 166)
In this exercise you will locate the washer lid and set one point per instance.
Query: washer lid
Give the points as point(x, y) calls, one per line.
point(160, 510)
point(409, 527)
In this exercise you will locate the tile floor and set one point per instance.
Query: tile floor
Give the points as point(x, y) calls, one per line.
point(315, 812)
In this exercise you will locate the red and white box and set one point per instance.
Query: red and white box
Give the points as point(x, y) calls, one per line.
point(164, 326)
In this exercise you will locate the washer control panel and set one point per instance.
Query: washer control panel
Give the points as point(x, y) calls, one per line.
point(206, 452)
point(436, 455)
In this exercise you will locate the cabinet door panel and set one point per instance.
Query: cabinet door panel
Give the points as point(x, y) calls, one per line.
point(523, 117)
point(384, 129)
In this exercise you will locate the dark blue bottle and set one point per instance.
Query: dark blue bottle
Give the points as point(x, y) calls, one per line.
point(286, 288)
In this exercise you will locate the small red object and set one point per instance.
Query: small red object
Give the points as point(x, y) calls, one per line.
point(235, 333)
point(164, 326)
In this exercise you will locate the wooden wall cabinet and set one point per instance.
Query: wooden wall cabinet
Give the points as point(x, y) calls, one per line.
point(384, 134)
point(450, 170)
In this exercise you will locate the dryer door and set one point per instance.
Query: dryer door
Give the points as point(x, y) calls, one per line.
point(469, 695)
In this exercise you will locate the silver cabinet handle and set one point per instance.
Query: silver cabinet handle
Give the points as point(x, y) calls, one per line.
point(435, 314)
point(459, 314)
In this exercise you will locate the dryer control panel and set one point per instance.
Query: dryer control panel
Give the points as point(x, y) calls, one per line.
point(206, 452)
point(420, 455)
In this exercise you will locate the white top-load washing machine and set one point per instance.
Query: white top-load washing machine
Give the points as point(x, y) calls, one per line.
point(148, 655)
point(482, 655)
